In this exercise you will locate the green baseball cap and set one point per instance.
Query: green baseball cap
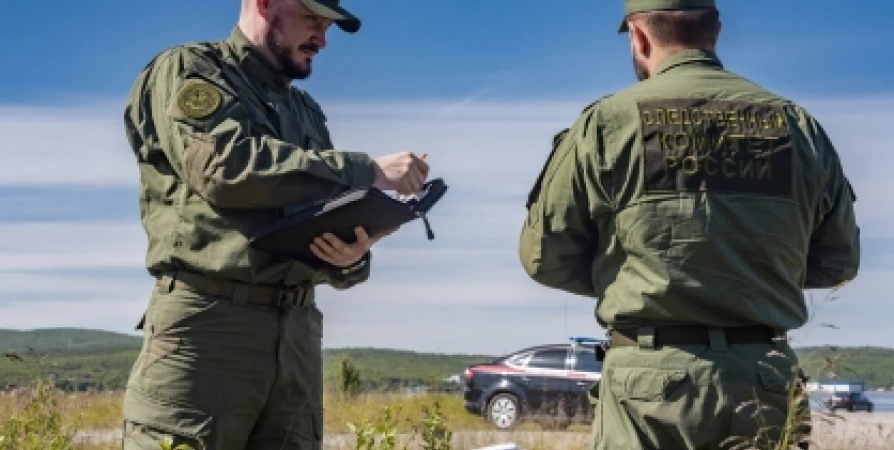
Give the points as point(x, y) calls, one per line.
point(330, 9)
point(638, 6)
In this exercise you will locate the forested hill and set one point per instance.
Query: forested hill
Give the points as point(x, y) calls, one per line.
point(61, 339)
point(102, 359)
point(386, 367)
point(872, 365)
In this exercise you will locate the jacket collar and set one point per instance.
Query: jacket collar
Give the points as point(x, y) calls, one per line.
point(258, 68)
point(686, 57)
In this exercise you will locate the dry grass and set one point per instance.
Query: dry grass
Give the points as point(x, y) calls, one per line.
point(82, 411)
point(847, 431)
point(339, 411)
point(99, 412)
point(42, 418)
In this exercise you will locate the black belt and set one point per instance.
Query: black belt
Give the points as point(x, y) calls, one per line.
point(236, 291)
point(695, 335)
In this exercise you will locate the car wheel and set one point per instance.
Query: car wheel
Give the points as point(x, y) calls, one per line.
point(851, 408)
point(869, 409)
point(503, 411)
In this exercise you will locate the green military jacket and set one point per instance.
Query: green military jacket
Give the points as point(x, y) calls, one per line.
point(694, 197)
point(225, 146)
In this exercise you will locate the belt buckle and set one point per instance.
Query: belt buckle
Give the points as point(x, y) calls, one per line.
point(291, 296)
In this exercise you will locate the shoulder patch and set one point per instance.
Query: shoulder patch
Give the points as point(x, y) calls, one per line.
point(199, 99)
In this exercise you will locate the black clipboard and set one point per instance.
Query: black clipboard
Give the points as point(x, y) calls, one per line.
point(370, 208)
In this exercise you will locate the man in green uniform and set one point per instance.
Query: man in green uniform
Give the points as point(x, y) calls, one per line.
point(225, 145)
point(696, 206)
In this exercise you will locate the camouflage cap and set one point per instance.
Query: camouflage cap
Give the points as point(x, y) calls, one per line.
point(330, 9)
point(638, 6)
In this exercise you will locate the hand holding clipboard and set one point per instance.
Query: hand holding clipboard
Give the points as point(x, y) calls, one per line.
point(371, 208)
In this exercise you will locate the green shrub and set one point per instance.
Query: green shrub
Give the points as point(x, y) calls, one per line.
point(38, 425)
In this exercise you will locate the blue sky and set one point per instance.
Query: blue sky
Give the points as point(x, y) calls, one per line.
point(444, 49)
point(480, 86)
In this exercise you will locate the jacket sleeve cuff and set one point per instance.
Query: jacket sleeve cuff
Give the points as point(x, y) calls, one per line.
point(346, 277)
point(363, 173)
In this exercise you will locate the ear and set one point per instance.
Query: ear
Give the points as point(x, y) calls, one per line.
point(264, 7)
point(717, 34)
point(639, 41)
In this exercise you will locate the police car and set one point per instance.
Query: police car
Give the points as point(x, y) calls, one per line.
point(543, 382)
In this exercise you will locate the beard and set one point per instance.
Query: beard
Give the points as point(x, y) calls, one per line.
point(283, 53)
point(642, 72)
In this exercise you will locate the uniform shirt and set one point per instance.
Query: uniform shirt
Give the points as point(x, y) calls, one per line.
point(225, 145)
point(694, 197)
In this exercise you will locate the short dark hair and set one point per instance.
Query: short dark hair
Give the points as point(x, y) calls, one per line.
point(691, 27)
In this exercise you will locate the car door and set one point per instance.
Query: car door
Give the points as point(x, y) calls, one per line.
point(546, 380)
point(862, 402)
point(585, 372)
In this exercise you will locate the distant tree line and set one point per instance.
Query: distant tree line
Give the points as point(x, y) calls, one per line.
point(80, 360)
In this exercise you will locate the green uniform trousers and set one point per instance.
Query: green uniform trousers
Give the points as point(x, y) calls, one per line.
point(220, 375)
point(695, 397)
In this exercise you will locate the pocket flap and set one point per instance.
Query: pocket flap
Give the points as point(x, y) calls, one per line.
point(646, 383)
point(772, 380)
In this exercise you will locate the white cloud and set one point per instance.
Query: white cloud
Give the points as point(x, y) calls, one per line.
point(463, 292)
point(70, 245)
point(74, 145)
point(119, 313)
point(857, 128)
point(857, 314)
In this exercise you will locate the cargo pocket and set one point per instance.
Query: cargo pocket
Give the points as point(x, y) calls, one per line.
point(166, 393)
point(307, 432)
point(150, 422)
point(778, 396)
point(760, 408)
point(158, 347)
point(648, 408)
point(173, 312)
point(318, 429)
point(315, 331)
point(168, 323)
point(772, 380)
point(650, 385)
point(303, 350)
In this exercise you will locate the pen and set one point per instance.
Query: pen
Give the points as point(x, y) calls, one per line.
point(408, 197)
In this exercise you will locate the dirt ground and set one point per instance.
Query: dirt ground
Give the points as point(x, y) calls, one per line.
point(844, 431)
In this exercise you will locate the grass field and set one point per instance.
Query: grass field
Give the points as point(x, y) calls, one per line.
point(96, 418)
